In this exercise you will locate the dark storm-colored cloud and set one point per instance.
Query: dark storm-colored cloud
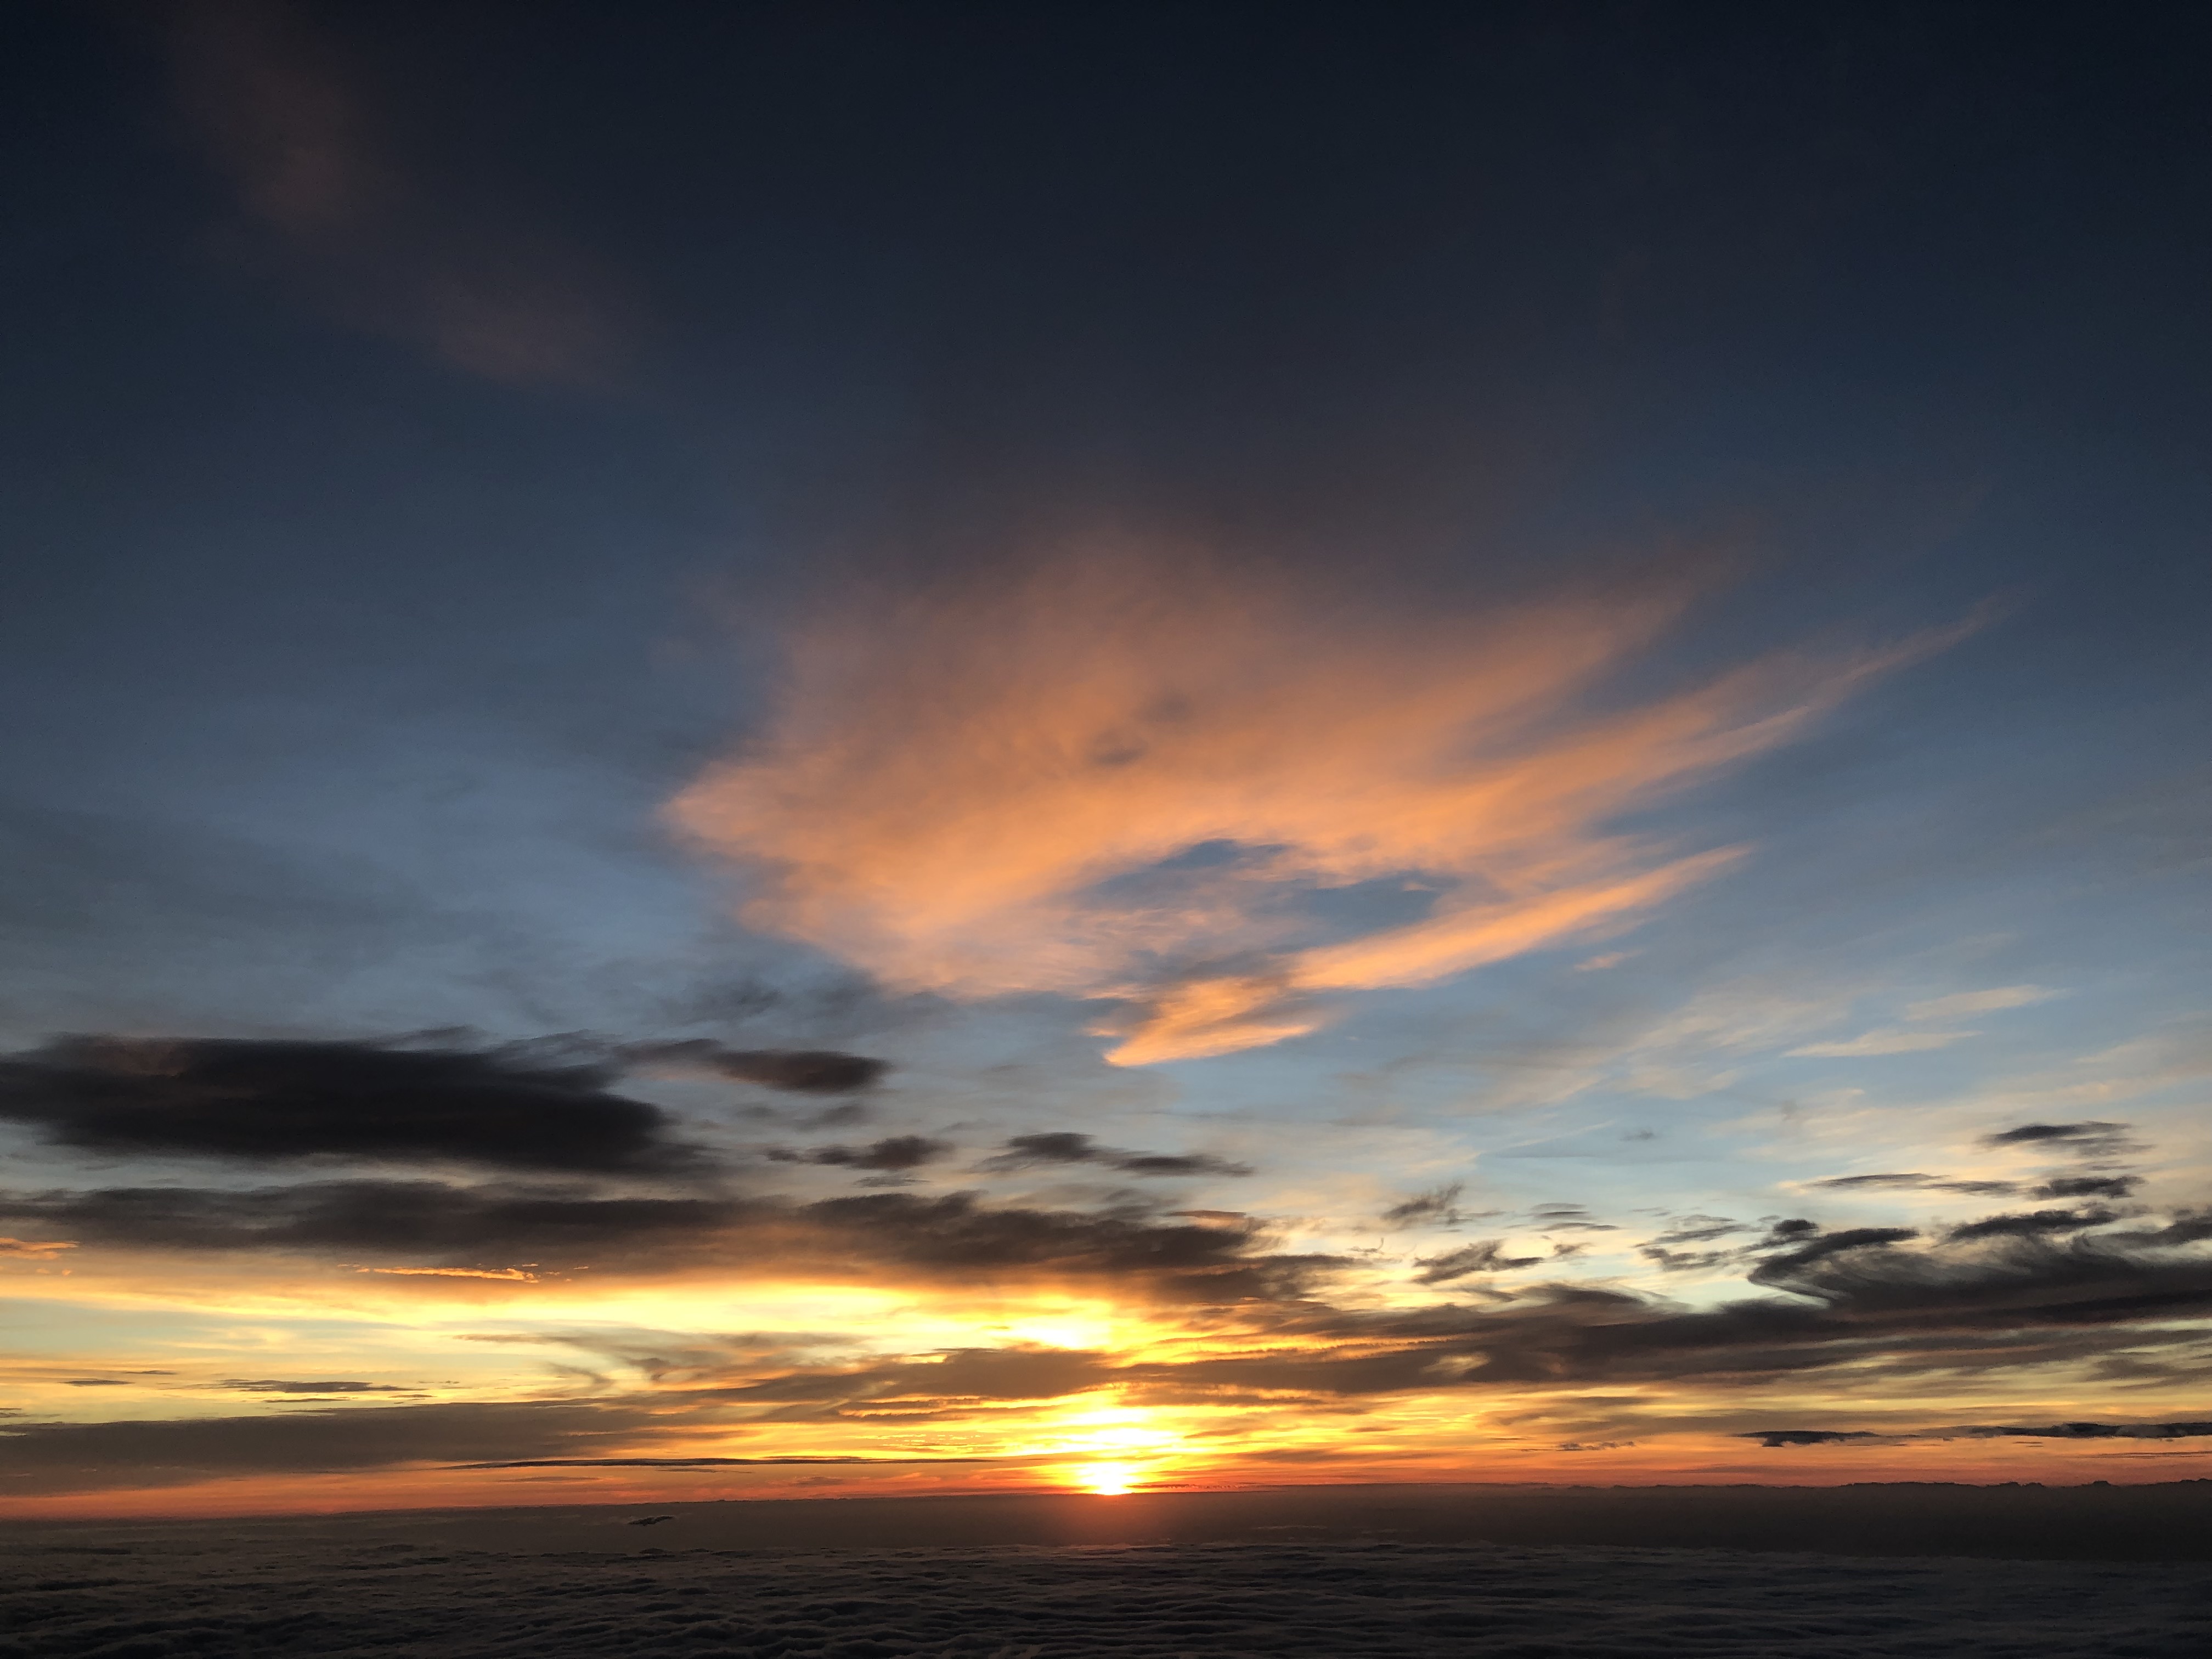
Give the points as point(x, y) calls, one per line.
point(42, 1457)
point(1807, 1437)
point(425, 1222)
point(1485, 1255)
point(1780, 1268)
point(1909, 1181)
point(1872, 1305)
point(799, 1070)
point(2088, 1187)
point(702, 1463)
point(1065, 1146)
point(893, 1152)
point(2181, 1430)
point(2089, 1138)
point(500, 1226)
point(2036, 1221)
point(271, 1101)
point(1437, 1207)
point(2184, 1431)
point(944, 1384)
point(528, 1106)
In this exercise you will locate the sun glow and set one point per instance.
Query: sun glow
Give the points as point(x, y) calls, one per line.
point(1129, 1448)
point(1108, 1479)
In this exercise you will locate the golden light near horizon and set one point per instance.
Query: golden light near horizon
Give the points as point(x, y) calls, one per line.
point(1108, 1479)
point(1125, 1449)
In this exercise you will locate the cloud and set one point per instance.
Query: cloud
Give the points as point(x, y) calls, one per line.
point(44, 1457)
point(265, 1385)
point(892, 1152)
point(35, 1249)
point(2088, 1187)
point(1485, 1255)
point(320, 177)
point(1880, 1043)
point(704, 1464)
point(1911, 1181)
point(1218, 796)
point(801, 1070)
point(495, 1229)
point(2038, 1221)
point(1064, 1146)
point(2092, 1138)
point(1966, 1004)
point(1699, 1229)
point(270, 1101)
point(1437, 1207)
point(1783, 1269)
point(1568, 1218)
point(2183, 1431)
point(2100, 1430)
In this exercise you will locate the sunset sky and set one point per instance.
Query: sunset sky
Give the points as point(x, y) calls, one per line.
point(805, 750)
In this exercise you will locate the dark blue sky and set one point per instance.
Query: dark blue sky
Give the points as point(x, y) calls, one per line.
point(1900, 309)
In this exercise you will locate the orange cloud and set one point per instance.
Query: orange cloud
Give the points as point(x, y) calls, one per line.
point(1216, 795)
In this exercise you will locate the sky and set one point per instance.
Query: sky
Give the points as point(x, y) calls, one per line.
point(818, 750)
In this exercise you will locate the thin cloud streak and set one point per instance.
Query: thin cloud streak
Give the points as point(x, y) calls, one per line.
point(1218, 796)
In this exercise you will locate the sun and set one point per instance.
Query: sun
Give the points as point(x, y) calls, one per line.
point(1107, 1479)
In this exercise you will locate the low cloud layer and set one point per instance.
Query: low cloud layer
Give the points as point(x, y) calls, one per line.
point(502, 1229)
point(2190, 1430)
point(1215, 797)
point(524, 1107)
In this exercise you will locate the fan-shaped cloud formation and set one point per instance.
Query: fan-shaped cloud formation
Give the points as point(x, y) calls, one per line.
point(1217, 795)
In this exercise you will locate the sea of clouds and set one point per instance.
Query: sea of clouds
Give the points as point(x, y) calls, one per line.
point(310, 1586)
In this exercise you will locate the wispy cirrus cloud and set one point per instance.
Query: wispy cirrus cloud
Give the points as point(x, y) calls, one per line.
point(1880, 1043)
point(280, 109)
point(1218, 796)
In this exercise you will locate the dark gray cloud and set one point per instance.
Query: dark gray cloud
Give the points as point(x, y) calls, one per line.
point(1065, 1146)
point(1485, 1255)
point(2181, 1430)
point(948, 1384)
point(1869, 1304)
point(2088, 1187)
point(799, 1070)
point(1437, 1207)
point(703, 1463)
point(270, 1101)
point(1817, 1246)
point(2035, 1221)
point(2089, 1138)
point(497, 1226)
point(2184, 1431)
point(546, 1105)
point(42, 1457)
point(1907, 1182)
point(893, 1152)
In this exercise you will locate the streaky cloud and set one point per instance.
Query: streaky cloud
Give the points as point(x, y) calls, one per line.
point(1124, 777)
